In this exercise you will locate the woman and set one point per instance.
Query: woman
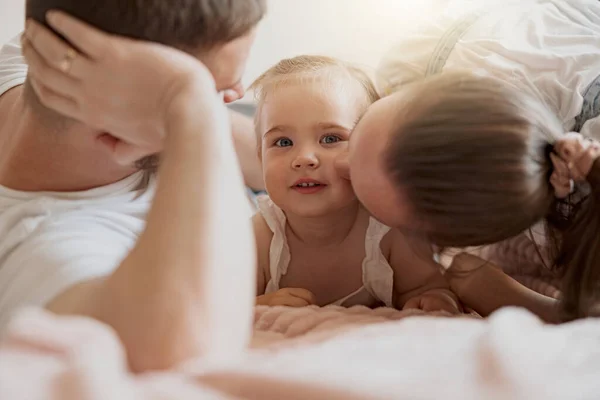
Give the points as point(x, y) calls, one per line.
point(549, 50)
point(465, 161)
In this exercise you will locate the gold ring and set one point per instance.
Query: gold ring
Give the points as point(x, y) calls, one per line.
point(67, 62)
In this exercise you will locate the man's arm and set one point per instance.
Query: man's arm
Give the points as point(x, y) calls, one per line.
point(187, 288)
point(486, 288)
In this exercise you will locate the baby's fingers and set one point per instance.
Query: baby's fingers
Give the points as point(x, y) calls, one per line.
point(435, 304)
point(303, 294)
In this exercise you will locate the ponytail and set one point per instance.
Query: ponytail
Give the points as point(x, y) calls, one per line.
point(580, 254)
point(578, 220)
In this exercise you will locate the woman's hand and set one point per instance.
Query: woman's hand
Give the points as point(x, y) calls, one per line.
point(126, 88)
point(434, 300)
point(577, 154)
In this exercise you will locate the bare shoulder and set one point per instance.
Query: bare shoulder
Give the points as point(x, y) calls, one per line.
point(387, 243)
point(263, 236)
point(406, 250)
point(263, 233)
point(415, 270)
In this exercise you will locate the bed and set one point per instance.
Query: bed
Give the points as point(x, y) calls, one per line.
point(319, 353)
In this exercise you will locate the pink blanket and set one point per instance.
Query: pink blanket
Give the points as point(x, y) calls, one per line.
point(312, 353)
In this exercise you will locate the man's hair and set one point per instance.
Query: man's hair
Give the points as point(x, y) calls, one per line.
point(188, 25)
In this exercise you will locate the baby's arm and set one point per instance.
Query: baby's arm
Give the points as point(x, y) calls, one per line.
point(291, 297)
point(486, 288)
point(418, 281)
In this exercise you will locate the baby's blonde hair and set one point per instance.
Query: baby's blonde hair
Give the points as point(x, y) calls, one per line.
point(308, 69)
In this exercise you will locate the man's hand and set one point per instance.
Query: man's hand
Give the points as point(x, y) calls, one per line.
point(435, 300)
point(120, 86)
point(290, 297)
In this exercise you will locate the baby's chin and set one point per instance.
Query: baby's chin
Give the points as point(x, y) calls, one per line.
point(319, 209)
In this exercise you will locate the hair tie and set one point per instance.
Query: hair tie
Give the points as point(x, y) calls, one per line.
point(564, 153)
point(561, 178)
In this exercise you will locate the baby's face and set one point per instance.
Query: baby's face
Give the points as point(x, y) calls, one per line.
point(365, 162)
point(305, 127)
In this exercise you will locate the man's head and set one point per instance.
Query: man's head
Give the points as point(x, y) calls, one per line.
point(218, 32)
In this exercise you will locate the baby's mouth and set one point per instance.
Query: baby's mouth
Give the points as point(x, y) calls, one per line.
point(311, 184)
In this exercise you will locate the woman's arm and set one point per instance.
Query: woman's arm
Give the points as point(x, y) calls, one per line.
point(418, 282)
point(486, 288)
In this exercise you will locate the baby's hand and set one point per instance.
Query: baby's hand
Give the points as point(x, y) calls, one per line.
point(290, 297)
point(434, 300)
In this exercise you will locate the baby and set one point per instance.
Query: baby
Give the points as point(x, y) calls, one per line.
point(316, 243)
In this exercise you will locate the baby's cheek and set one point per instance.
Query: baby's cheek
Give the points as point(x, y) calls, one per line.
point(347, 190)
point(275, 177)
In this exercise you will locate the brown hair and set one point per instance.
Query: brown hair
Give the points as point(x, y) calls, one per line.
point(309, 67)
point(189, 25)
point(472, 156)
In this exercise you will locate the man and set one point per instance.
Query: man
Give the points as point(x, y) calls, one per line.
point(70, 214)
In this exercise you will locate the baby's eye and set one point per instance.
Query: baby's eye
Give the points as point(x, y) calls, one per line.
point(283, 142)
point(330, 139)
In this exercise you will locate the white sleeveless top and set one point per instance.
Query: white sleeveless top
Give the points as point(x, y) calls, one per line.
point(377, 274)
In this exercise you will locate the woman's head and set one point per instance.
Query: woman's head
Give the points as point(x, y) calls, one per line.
point(466, 161)
point(467, 157)
point(307, 107)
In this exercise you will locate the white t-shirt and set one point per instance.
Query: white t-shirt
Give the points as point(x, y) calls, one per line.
point(13, 68)
point(547, 48)
point(50, 241)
